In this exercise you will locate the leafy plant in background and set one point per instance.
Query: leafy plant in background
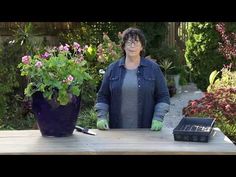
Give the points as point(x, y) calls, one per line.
point(168, 53)
point(217, 104)
point(7, 85)
point(92, 32)
point(173, 55)
point(155, 33)
point(202, 52)
point(227, 46)
point(14, 107)
point(98, 58)
point(185, 75)
point(82, 32)
point(227, 79)
point(166, 64)
point(88, 118)
point(107, 52)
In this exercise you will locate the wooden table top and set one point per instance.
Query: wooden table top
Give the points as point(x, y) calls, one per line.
point(112, 142)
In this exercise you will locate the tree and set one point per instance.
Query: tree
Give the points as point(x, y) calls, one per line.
point(202, 54)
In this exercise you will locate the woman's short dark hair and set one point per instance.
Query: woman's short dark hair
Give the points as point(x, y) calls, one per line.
point(133, 33)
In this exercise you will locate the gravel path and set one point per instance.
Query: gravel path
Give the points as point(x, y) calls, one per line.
point(177, 102)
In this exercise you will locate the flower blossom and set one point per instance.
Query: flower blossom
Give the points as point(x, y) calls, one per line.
point(39, 64)
point(26, 59)
point(66, 47)
point(76, 45)
point(45, 55)
point(60, 47)
point(69, 79)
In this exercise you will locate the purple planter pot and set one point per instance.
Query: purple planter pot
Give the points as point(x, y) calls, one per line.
point(55, 120)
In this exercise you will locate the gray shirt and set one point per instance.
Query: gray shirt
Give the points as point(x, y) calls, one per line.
point(129, 100)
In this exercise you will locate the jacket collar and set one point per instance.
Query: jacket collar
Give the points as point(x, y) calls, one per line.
point(143, 62)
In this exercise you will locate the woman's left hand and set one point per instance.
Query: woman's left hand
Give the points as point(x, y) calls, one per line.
point(156, 125)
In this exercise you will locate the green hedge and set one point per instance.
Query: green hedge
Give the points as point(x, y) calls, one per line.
point(202, 55)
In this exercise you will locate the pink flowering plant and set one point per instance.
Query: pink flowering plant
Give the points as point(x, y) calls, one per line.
point(107, 52)
point(61, 69)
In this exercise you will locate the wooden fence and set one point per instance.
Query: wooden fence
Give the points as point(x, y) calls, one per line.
point(177, 34)
point(43, 27)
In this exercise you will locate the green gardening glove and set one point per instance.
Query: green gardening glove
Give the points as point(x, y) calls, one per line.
point(102, 124)
point(156, 125)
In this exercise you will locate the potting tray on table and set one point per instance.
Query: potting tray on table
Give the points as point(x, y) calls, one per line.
point(196, 129)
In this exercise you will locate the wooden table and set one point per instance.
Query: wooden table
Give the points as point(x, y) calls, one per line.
point(114, 142)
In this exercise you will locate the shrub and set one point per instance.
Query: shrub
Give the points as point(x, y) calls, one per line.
point(202, 55)
point(155, 33)
point(87, 118)
point(171, 55)
point(83, 33)
point(14, 112)
point(227, 80)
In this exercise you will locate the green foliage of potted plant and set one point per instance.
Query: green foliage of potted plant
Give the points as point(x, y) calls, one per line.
point(166, 64)
point(62, 68)
point(56, 77)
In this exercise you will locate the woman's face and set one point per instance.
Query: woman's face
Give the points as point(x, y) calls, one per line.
point(133, 47)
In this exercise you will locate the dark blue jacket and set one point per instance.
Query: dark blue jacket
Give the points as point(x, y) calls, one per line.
point(152, 90)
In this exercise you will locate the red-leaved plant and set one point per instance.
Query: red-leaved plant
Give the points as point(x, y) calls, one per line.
point(217, 104)
point(227, 46)
point(221, 105)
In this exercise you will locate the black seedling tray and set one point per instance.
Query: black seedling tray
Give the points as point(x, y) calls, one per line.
point(195, 129)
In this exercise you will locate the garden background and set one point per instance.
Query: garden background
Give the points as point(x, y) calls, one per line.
point(193, 52)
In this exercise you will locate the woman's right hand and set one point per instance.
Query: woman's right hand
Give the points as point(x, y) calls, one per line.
point(102, 124)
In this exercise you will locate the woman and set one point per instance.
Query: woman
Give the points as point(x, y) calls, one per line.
point(133, 91)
